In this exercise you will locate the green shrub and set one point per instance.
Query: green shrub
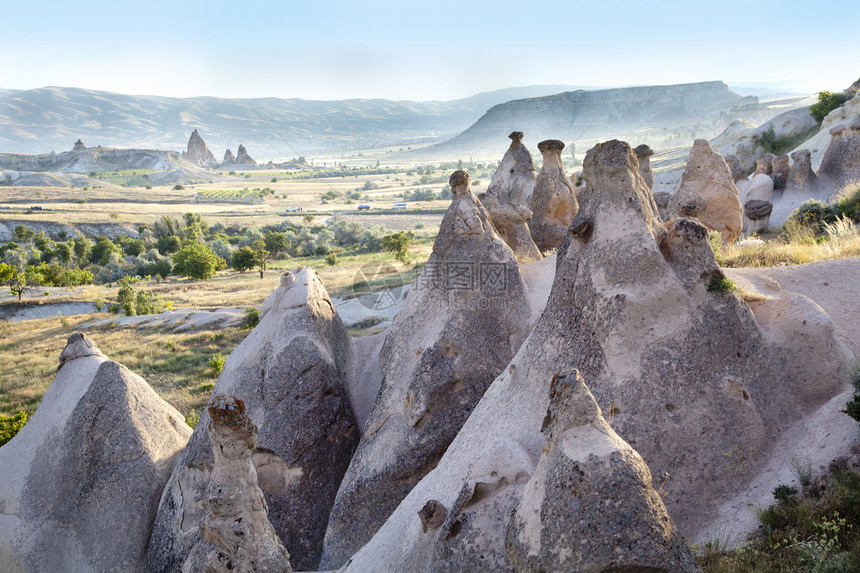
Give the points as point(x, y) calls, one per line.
point(722, 284)
point(784, 493)
point(848, 200)
point(192, 418)
point(331, 259)
point(814, 215)
point(11, 425)
point(398, 243)
point(126, 297)
point(251, 319)
point(827, 102)
point(216, 363)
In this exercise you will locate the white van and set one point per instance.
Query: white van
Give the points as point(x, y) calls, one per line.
point(400, 206)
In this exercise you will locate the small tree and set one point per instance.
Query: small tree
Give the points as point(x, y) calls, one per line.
point(261, 256)
point(197, 261)
point(827, 102)
point(126, 297)
point(24, 234)
point(242, 259)
point(398, 243)
point(18, 283)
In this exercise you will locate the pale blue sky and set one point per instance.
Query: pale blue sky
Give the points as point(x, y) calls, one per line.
point(335, 49)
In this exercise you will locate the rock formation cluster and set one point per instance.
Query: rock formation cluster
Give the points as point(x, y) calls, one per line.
point(434, 371)
point(291, 374)
point(587, 428)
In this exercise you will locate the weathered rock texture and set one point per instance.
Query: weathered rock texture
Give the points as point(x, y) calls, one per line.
point(841, 162)
point(459, 326)
point(764, 164)
point(236, 534)
point(514, 180)
point(242, 157)
point(780, 171)
point(229, 158)
point(801, 175)
point(198, 153)
point(506, 199)
point(698, 391)
point(553, 204)
point(80, 483)
point(756, 215)
point(290, 371)
point(590, 505)
point(643, 154)
point(79, 146)
point(735, 167)
point(708, 193)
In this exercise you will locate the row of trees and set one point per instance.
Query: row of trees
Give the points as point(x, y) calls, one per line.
point(184, 246)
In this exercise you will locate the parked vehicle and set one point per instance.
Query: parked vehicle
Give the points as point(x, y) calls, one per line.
point(401, 206)
point(293, 209)
point(363, 207)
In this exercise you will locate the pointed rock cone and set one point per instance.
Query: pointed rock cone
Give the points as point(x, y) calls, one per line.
point(291, 372)
point(236, 534)
point(553, 203)
point(198, 152)
point(506, 199)
point(229, 159)
point(80, 483)
point(708, 193)
point(617, 521)
point(514, 180)
point(459, 326)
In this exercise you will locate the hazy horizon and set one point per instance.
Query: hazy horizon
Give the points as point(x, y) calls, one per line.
point(421, 52)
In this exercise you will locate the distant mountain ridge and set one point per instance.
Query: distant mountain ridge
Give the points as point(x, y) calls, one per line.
point(52, 118)
point(584, 115)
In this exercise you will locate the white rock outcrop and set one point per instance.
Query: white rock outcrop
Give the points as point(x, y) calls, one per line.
point(80, 483)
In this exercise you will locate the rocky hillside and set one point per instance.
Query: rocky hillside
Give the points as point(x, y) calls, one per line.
point(652, 112)
point(39, 120)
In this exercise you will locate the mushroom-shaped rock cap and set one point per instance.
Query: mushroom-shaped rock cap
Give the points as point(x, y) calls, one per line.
point(459, 181)
point(516, 136)
point(226, 409)
point(550, 145)
point(77, 346)
point(643, 151)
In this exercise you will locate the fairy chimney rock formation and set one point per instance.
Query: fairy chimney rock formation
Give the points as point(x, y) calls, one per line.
point(79, 146)
point(80, 483)
point(506, 199)
point(780, 171)
point(434, 371)
point(553, 203)
point(229, 159)
point(841, 161)
point(197, 152)
point(291, 372)
point(708, 193)
point(707, 364)
point(801, 175)
point(235, 533)
point(735, 166)
point(618, 521)
point(643, 154)
point(242, 157)
point(764, 164)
